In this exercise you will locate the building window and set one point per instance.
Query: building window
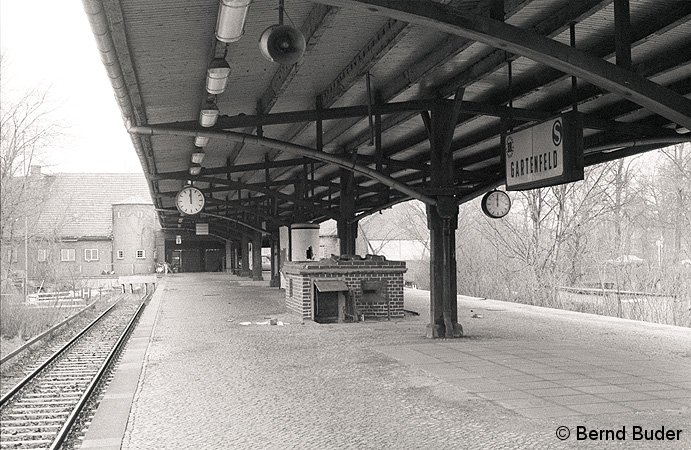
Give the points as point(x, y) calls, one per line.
point(91, 254)
point(141, 254)
point(67, 254)
point(42, 255)
point(121, 254)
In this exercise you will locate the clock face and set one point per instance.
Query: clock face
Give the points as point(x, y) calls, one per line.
point(496, 204)
point(190, 200)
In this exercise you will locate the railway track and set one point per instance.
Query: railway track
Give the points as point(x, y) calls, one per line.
point(40, 410)
point(16, 365)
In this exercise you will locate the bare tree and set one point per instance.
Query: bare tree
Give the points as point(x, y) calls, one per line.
point(25, 131)
point(677, 172)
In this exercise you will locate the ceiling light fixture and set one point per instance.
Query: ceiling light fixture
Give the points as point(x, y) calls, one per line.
point(232, 15)
point(208, 115)
point(198, 156)
point(201, 141)
point(217, 76)
point(195, 169)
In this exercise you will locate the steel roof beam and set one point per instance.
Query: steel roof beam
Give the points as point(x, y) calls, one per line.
point(538, 48)
point(217, 216)
point(370, 53)
point(359, 111)
point(318, 19)
point(549, 27)
point(649, 67)
point(218, 202)
point(288, 147)
point(451, 46)
point(641, 34)
point(240, 185)
point(455, 45)
point(383, 41)
point(646, 67)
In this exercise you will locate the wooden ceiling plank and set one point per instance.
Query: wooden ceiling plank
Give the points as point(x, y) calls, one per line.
point(551, 26)
point(646, 68)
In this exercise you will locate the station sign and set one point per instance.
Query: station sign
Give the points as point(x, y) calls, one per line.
point(202, 229)
point(546, 154)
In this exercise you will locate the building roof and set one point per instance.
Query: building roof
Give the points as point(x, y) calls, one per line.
point(80, 204)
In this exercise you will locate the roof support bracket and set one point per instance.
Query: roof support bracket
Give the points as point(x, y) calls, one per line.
point(288, 147)
point(529, 44)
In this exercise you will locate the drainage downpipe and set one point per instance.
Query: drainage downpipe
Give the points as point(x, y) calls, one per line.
point(244, 138)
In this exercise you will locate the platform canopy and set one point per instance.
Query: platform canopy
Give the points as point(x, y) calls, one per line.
point(363, 97)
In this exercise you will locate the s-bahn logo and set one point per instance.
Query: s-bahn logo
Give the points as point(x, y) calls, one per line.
point(556, 133)
point(509, 147)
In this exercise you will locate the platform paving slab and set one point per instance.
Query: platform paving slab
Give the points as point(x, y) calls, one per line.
point(109, 423)
point(209, 382)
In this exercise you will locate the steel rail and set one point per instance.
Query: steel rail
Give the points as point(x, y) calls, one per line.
point(35, 339)
point(5, 398)
point(66, 428)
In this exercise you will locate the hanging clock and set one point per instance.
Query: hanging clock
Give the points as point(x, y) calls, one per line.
point(496, 204)
point(190, 200)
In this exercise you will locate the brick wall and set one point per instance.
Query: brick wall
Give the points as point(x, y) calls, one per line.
point(300, 278)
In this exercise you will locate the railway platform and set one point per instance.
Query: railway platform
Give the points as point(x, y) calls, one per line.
point(205, 369)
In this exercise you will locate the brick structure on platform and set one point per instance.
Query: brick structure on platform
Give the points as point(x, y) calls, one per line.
point(370, 272)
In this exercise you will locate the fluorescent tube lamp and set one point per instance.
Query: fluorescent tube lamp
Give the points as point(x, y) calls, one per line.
point(232, 15)
point(208, 116)
point(201, 141)
point(195, 170)
point(198, 157)
point(217, 76)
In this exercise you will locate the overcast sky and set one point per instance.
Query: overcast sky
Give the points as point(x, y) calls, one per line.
point(48, 44)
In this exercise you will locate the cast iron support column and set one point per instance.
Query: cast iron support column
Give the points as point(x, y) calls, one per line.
point(229, 256)
point(347, 232)
point(234, 260)
point(245, 257)
point(442, 221)
point(257, 257)
point(275, 244)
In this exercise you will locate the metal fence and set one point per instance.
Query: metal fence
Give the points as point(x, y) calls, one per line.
point(646, 306)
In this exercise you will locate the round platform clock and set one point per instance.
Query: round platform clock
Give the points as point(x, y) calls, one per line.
point(190, 200)
point(496, 204)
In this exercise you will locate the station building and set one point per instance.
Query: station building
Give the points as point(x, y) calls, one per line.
point(82, 225)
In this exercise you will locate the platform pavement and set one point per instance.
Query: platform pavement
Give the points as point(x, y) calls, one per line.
point(211, 383)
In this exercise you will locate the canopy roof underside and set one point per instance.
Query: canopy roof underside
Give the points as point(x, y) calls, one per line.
point(157, 54)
